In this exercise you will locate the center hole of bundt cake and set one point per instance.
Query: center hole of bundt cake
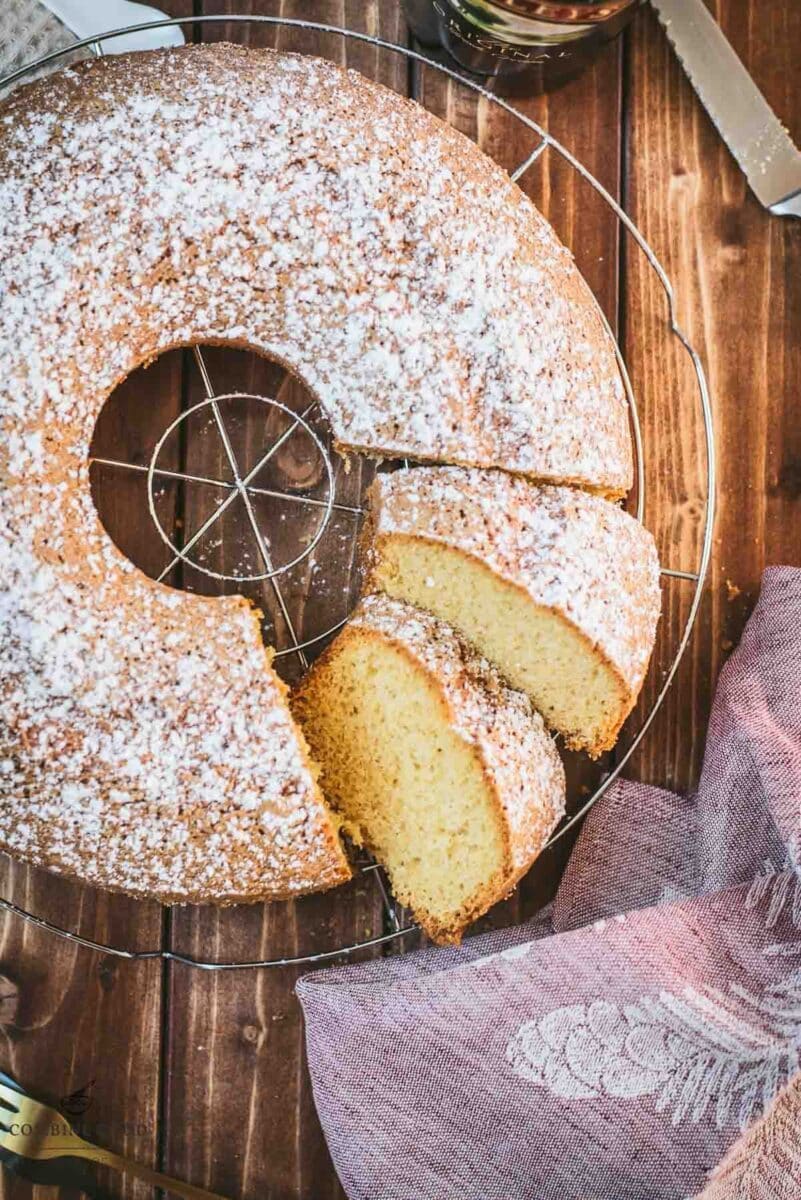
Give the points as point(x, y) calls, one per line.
point(244, 480)
point(212, 470)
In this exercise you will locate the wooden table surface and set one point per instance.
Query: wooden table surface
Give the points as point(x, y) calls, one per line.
point(204, 1074)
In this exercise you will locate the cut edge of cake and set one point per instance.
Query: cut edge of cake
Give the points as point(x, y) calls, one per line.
point(573, 626)
point(398, 711)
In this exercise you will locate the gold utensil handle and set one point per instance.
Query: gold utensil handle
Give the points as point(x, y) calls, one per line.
point(107, 1158)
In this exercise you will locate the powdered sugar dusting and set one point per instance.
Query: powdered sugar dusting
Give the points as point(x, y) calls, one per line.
point(276, 200)
point(146, 744)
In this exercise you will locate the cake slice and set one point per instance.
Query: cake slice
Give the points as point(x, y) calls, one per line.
point(559, 588)
point(432, 762)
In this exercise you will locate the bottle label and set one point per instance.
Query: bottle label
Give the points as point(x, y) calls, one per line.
point(470, 34)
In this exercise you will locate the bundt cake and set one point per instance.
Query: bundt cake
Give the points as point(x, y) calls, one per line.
point(433, 762)
point(222, 194)
point(559, 588)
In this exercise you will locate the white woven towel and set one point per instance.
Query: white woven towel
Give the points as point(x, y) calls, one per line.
point(27, 31)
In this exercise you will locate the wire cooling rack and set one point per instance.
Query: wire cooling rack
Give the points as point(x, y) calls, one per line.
point(243, 482)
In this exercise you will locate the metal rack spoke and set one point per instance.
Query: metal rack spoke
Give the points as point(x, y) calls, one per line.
point(160, 471)
point(532, 158)
point(292, 497)
point(689, 575)
point(242, 490)
point(354, 509)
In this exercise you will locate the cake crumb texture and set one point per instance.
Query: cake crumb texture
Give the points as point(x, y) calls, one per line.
point(557, 587)
point(432, 761)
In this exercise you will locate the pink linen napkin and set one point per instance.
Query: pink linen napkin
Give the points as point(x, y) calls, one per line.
point(617, 1047)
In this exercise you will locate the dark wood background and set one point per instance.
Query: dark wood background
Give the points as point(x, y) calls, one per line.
point(203, 1074)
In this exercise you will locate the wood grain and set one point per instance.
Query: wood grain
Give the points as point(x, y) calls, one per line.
point(737, 275)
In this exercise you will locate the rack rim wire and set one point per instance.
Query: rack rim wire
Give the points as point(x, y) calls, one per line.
point(545, 142)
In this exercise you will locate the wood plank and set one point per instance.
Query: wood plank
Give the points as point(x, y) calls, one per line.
point(83, 1020)
point(737, 276)
point(240, 1113)
point(584, 117)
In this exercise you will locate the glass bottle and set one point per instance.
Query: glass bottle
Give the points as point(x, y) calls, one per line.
point(521, 45)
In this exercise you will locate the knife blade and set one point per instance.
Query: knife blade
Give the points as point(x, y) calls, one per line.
point(748, 125)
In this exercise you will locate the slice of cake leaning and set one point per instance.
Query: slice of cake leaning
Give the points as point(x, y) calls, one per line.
point(432, 762)
point(559, 588)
